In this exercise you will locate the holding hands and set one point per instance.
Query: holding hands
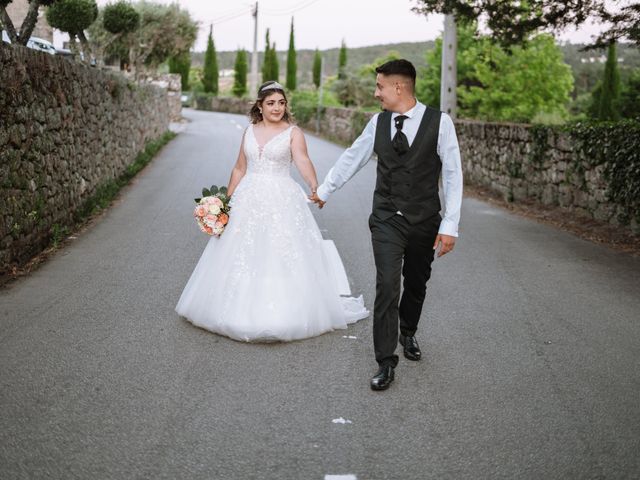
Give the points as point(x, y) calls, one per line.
point(316, 199)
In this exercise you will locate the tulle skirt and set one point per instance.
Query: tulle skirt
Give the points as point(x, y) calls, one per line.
point(270, 276)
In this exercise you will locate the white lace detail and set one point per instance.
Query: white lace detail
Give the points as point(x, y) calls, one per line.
point(273, 158)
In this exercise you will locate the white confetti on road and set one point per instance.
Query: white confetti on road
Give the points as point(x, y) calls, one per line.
point(341, 420)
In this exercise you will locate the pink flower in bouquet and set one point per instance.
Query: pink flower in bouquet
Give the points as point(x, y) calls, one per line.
point(200, 211)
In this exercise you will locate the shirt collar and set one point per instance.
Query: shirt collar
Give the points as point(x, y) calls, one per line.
point(411, 113)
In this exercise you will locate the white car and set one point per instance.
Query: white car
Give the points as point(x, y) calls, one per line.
point(40, 44)
point(5, 37)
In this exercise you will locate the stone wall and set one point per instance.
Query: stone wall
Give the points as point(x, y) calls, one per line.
point(507, 159)
point(65, 130)
point(503, 157)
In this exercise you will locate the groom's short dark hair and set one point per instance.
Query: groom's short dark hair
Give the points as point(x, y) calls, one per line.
point(400, 67)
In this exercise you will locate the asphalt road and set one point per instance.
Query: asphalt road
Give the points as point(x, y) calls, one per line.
point(530, 336)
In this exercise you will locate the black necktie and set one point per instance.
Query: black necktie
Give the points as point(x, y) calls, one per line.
point(399, 142)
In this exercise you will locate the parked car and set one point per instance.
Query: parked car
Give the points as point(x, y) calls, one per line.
point(5, 37)
point(42, 45)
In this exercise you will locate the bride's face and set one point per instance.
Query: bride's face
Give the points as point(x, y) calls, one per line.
point(273, 107)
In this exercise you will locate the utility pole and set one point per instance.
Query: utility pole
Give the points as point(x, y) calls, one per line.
point(253, 83)
point(448, 77)
point(318, 111)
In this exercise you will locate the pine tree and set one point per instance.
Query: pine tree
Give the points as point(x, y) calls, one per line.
point(317, 68)
point(240, 74)
point(342, 62)
point(291, 62)
point(211, 74)
point(610, 93)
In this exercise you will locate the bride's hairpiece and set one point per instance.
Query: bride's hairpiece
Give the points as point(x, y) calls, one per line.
point(272, 86)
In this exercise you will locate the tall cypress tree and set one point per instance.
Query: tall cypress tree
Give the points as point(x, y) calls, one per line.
point(240, 73)
point(275, 66)
point(610, 93)
point(211, 73)
point(342, 61)
point(317, 68)
point(266, 62)
point(292, 66)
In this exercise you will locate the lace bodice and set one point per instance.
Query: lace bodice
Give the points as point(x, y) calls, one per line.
point(274, 158)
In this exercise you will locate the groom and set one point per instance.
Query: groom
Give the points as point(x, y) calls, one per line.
point(414, 145)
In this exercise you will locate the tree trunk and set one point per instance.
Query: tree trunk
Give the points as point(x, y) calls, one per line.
point(8, 25)
point(73, 46)
point(29, 22)
point(86, 48)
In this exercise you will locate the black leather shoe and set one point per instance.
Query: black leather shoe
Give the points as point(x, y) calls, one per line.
point(383, 378)
point(411, 348)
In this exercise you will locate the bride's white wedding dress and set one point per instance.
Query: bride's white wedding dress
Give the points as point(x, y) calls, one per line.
point(270, 276)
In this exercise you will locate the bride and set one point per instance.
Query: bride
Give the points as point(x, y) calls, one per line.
point(270, 276)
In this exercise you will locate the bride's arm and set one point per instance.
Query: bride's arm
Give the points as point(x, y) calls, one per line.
point(302, 160)
point(238, 170)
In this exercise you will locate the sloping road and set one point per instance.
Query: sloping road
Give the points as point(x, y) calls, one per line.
point(531, 340)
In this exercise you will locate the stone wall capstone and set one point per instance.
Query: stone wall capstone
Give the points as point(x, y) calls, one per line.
point(65, 129)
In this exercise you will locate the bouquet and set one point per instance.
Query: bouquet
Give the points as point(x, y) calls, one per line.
point(212, 210)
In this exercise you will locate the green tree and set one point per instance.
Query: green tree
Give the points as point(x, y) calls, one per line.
point(291, 62)
point(469, 50)
point(181, 64)
point(22, 36)
point(211, 74)
point(119, 19)
point(240, 73)
point(266, 60)
point(317, 68)
point(73, 17)
point(518, 85)
point(608, 108)
point(630, 96)
point(270, 67)
point(342, 61)
point(164, 31)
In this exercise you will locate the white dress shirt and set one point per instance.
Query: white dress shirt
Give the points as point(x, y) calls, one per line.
point(357, 156)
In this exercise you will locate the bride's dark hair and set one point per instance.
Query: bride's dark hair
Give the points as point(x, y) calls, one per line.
point(263, 92)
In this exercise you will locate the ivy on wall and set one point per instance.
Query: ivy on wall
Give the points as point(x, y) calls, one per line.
point(614, 145)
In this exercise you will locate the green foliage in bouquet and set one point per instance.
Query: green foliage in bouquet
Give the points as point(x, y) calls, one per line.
point(215, 191)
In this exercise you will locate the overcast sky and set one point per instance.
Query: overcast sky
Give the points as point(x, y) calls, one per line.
point(318, 23)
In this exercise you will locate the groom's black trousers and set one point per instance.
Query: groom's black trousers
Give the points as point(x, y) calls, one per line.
point(399, 248)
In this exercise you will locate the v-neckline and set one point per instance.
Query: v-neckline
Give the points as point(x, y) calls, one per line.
point(262, 147)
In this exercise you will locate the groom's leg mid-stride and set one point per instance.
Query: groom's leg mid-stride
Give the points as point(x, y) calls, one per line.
point(399, 249)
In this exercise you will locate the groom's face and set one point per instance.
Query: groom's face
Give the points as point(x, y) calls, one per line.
point(389, 90)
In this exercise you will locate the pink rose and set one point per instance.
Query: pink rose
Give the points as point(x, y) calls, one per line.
point(200, 211)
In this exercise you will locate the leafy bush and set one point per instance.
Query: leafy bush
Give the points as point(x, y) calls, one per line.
point(304, 103)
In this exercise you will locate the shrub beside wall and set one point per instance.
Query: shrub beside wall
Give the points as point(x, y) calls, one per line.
point(65, 130)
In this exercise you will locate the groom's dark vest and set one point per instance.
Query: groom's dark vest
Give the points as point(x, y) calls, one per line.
point(408, 183)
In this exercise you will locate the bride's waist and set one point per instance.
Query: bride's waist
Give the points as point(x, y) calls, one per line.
point(269, 172)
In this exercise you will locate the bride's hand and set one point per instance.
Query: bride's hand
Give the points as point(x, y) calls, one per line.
point(316, 199)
